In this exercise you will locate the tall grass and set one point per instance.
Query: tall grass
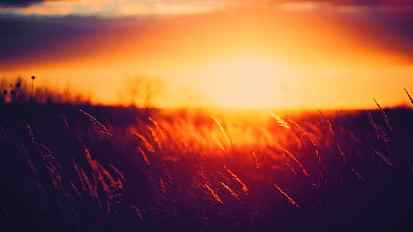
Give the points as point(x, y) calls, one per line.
point(75, 169)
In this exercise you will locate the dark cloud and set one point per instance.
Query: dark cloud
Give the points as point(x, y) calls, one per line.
point(18, 3)
point(360, 3)
point(25, 37)
point(45, 38)
point(387, 25)
point(36, 39)
point(383, 25)
point(373, 2)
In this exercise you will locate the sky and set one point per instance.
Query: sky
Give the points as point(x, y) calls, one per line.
point(225, 53)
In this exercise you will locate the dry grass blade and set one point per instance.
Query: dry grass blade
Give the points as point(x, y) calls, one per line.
point(148, 146)
point(384, 114)
point(144, 156)
point(223, 131)
point(380, 133)
point(292, 157)
point(408, 95)
point(290, 200)
point(101, 128)
point(384, 158)
point(280, 121)
point(244, 187)
point(213, 194)
point(230, 190)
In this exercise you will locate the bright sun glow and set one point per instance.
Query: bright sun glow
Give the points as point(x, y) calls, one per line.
point(243, 82)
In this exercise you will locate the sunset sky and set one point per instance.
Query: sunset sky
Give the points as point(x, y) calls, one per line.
point(226, 53)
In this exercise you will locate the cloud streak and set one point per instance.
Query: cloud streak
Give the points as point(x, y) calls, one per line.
point(174, 7)
point(111, 7)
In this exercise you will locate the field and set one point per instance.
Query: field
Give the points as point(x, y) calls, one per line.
point(206, 115)
point(89, 168)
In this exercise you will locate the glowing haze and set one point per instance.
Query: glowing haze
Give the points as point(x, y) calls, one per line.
point(258, 54)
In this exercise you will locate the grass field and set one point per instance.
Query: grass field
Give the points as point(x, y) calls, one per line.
point(89, 168)
point(206, 115)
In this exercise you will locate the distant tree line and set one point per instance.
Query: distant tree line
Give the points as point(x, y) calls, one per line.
point(25, 90)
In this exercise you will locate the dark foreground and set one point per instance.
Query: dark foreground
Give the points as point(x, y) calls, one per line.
point(82, 168)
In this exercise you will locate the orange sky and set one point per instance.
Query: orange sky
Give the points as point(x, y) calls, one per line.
point(237, 57)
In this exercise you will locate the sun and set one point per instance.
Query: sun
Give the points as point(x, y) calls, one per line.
point(243, 82)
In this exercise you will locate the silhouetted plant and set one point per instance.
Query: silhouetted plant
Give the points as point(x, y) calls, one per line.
point(19, 91)
point(32, 95)
point(3, 96)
